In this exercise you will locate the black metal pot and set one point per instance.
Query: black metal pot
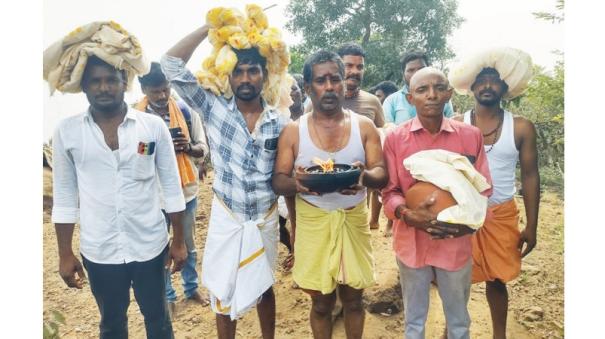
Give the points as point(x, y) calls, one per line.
point(317, 181)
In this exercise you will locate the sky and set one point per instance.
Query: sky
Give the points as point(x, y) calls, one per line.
point(487, 23)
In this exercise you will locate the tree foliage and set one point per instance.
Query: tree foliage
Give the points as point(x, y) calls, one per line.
point(544, 104)
point(554, 17)
point(384, 28)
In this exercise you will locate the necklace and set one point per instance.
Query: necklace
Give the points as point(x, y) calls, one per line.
point(331, 154)
point(496, 131)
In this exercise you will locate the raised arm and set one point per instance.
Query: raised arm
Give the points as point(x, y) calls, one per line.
point(185, 48)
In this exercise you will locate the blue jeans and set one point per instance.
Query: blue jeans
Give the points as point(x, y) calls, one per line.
point(188, 273)
point(454, 289)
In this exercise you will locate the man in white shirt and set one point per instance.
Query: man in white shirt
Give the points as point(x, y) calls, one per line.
point(107, 164)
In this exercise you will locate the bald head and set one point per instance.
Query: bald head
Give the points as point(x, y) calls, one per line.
point(423, 75)
point(429, 92)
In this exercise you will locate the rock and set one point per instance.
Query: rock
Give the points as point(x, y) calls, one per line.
point(533, 313)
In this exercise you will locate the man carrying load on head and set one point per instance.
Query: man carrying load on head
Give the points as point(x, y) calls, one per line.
point(107, 164)
point(490, 76)
point(243, 127)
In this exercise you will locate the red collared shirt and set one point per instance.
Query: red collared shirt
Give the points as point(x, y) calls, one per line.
point(414, 247)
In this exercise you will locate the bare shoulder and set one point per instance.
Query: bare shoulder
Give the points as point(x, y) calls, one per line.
point(365, 124)
point(290, 130)
point(524, 126)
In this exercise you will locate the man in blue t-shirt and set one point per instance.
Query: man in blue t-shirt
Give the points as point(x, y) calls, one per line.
point(396, 107)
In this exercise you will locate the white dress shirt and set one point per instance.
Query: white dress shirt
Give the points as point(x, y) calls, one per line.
point(114, 196)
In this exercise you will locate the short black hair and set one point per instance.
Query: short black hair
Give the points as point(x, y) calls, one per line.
point(320, 57)
point(250, 56)
point(387, 87)
point(490, 70)
point(350, 48)
point(414, 55)
point(154, 78)
point(94, 60)
point(300, 81)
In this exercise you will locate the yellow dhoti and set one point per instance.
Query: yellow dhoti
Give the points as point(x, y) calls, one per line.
point(332, 247)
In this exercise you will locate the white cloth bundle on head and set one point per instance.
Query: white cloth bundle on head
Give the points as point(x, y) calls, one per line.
point(65, 60)
point(513, 65)
point(454, 173)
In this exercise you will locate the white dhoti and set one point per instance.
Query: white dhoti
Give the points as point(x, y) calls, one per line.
point(239, 259)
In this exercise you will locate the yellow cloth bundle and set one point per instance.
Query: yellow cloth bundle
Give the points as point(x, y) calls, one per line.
point(230, 29)
point(177, 119)
point(332, 247)
point(64, 61)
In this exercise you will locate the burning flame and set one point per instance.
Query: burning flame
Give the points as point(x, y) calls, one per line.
point(327, 166)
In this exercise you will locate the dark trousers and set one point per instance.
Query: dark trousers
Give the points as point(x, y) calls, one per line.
point(110, 285)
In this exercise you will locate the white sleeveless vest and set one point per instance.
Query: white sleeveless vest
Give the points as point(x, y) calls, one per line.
point(351, 153)
point(502, 160)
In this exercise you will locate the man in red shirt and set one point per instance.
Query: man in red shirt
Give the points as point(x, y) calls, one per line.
point(427, 249)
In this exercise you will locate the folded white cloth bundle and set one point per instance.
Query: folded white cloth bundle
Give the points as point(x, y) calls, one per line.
point(454, 173)
point(64, 61)
point(513, 65)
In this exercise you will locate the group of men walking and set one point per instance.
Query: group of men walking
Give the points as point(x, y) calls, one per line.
point(126, 174)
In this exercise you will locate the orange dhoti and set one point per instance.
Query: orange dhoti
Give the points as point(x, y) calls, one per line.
point(495, 245)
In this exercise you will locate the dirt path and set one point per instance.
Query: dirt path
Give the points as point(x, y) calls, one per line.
point(539, 286)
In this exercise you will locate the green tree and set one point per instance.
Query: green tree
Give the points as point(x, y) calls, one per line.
point(384, 28)
point(544, 104)
point(297, 60)
point(554, 17)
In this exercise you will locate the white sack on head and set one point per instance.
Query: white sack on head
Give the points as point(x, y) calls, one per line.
point(513, 65)
point(454, 173)
point(65, 60)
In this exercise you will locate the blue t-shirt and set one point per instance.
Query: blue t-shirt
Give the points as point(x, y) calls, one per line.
point(397, 109)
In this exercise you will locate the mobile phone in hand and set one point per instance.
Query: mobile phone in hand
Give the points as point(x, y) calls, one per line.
point(175, 131)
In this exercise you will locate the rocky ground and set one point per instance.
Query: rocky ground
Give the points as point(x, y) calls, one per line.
point(536, 308)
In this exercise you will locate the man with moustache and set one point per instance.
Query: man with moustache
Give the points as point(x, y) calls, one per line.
point(332, 248)
point(107, 161)
point(361, 102)
point(190, 147)
point(397, 108)
point(242, 133)
point(427, 249)
point(498, 245)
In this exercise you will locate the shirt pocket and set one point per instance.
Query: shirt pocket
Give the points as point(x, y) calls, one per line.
point(143, 167)
point(267, 160)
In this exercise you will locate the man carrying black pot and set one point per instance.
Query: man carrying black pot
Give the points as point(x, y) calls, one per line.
point(332, 247)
